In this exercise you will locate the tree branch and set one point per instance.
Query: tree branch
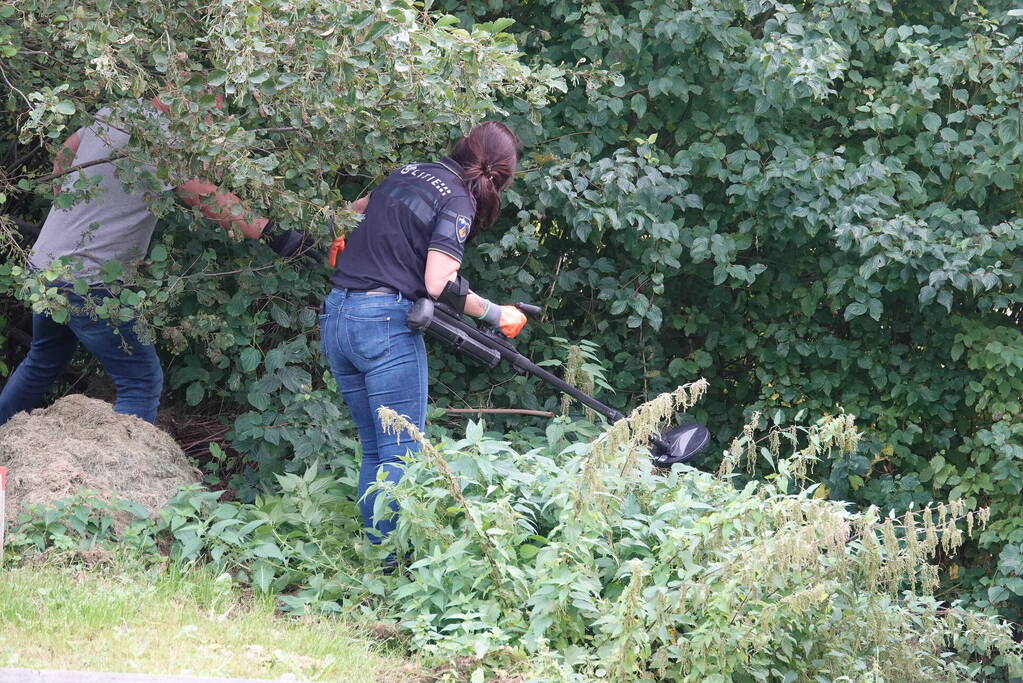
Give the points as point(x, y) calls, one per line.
point(77, 167)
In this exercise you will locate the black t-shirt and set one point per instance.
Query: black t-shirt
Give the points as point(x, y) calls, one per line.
point(418, 208)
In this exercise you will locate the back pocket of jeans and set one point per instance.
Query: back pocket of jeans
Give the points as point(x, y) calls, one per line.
point(369, 338)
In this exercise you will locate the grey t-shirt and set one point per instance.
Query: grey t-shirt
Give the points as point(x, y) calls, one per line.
point(116, 223)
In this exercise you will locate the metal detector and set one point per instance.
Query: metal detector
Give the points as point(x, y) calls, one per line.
point(488, 347)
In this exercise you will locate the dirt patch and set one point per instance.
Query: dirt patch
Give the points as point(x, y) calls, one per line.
point(80, 442)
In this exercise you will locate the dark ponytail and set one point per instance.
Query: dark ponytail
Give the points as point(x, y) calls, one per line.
point(488, 156)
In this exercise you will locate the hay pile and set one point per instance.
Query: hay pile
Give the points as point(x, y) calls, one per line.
point(80, 442)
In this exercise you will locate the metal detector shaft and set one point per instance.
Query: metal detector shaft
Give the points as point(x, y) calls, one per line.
point(528, 367)
point(611, 414)
point(490, 347)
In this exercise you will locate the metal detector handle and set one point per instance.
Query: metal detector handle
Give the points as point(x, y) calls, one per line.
point(530, 310)
point(429, 317)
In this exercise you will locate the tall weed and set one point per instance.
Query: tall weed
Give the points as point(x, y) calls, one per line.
point(580, 562)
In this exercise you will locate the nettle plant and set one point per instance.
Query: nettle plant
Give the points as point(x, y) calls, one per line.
point(600, 567)
point(578, 562)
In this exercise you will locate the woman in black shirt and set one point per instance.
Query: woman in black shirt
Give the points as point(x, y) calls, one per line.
point(409, 245)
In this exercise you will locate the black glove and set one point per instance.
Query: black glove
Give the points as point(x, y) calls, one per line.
point(287, 243)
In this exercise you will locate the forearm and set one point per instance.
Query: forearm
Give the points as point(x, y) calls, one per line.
point(64, 157)
point(475, 305)
point(221, 207)
point(230, 213)
point(441, 269)
point(360, 204)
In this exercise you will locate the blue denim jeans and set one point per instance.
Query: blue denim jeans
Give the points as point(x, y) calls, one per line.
point(133, 366)
point(377, 361)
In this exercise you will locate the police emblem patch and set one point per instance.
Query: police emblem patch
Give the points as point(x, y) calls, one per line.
point(462, 225)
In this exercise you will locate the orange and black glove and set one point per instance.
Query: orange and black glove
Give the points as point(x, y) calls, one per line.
point(508, 319)
point(512, 321)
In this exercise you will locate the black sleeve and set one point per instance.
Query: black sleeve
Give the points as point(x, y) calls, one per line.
point(451, 227)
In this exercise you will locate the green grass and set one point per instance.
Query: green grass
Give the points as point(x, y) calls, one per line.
point(122, 619)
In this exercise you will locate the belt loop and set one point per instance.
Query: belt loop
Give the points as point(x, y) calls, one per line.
point(399, 298)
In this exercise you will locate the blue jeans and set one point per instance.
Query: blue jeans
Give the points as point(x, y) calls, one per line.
point(133, 366)
point(377, 361)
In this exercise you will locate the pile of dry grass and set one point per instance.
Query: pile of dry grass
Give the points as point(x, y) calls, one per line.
point(80, 442)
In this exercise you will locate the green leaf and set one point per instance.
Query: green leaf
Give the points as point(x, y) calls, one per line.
point(294, 378)
point(249, 359)
point(854, 310)
point(307, 318)
point(158, 253)
point(501, 24)
point(945, 299)
point(216, 77)
point(1004, 180)
point(66, 107)
point(638, 104)
point(875, 308)
point(262, 576)
point(268, 550)
point(376, 30)
point(260, 400)
point(280, 316)
point(112, 271)
point(64, 201)
point(194, 394)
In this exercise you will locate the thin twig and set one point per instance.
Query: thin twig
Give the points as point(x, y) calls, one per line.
point(282, 129)
point(11, 85)
point(498, 411)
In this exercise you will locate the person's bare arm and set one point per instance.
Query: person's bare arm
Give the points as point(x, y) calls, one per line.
point(64, 157)
point(226, 209)
point(360, 204)
point(441, 269)
point(66, 154)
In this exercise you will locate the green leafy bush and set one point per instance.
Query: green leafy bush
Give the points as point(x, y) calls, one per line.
point(812, 204)
point(631, 575)
point(321, 99)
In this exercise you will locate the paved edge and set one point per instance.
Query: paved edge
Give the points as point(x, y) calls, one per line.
point(33, 676)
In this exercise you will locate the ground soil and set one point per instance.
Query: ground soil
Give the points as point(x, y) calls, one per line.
point(80, 442)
